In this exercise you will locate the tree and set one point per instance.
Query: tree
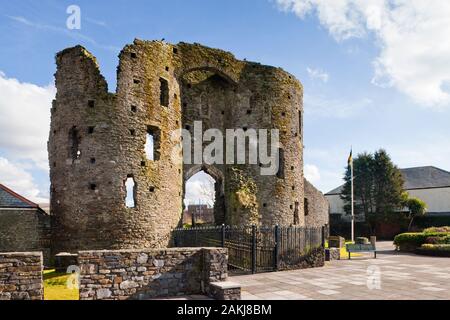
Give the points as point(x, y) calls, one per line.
point(388, 184)
point(378, 186)
point(208, 192)
point(416, 207)
point(362, 182)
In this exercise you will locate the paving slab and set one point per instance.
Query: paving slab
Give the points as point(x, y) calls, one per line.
point(393, 275)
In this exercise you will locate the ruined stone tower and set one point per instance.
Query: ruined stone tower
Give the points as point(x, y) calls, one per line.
point(97, 143)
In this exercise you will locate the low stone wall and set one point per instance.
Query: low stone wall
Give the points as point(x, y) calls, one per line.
point(314, 258)
point(332, 254)
point(21, 276)
point(144, 274)
point(336, 242)
point(225, 290)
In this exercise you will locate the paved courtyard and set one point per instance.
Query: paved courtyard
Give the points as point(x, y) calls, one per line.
point(392, 275)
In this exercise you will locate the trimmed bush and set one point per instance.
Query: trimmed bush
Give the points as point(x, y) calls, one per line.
point(433, 240)
point(438, 240)
point(437, 250)
point(445, 240)
point(412, 240)
point(437, 229)
point(440, 247)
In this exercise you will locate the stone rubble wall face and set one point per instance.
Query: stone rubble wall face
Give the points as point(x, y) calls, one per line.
point(23, 230)
point(143, 274)
point(313, 259)
point(21, 276)
point(318, 207)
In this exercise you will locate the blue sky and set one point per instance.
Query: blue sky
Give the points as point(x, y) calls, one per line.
point(376, 73)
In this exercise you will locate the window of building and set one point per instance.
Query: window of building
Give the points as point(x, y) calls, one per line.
point(164, 92)
point(306, 207)
point(296, 217)
point(152, 143)
point(74, 143)
point(130, 186)
point(280, 173)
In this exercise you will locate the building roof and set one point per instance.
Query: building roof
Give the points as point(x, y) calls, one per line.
point(10, 199)
point(417, 178)
point(425, 177)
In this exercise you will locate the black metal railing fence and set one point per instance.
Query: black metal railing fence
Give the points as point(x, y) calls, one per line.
point(255, 249)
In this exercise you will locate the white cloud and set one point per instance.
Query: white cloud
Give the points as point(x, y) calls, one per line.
point(96, 22)
point(412, 36)
point(318, 74)
point(427, 150)
point(312, 173)
point(69, 33)
point(20, 181)
point(25, 120)
point(318, 105)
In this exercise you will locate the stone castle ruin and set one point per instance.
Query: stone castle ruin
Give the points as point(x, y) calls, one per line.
point(97, 145)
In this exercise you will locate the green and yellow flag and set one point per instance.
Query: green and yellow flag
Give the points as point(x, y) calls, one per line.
point(350, 158)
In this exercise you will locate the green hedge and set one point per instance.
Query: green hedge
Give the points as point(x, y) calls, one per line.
point(436, 247)
point(411, 240)
point(437, 229)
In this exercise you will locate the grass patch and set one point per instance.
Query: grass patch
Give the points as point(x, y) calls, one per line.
point(55, 286)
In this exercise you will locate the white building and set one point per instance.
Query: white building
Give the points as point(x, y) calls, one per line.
point(429, 184)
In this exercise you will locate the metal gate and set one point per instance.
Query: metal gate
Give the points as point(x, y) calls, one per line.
point(253, 249)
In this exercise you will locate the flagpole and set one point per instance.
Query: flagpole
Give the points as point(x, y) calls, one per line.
point(352, 203)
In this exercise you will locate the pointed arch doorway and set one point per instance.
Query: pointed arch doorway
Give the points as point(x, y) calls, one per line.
point(214, 185)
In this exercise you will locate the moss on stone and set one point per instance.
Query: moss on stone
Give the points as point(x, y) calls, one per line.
point(244, 198)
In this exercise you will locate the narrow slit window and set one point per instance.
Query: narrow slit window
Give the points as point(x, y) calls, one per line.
point(74, 143)
point(296, 216)
point(306, 207)
point(164, 92)
point(280, 173)
point(152, 143)
point(300, 121)
point(130, 199)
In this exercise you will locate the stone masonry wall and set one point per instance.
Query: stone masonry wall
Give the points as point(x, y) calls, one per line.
point(317, 213)
point(143, 274)
point(21, 276)
point(315, 258)
point(97, 141)
point(25, 230)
